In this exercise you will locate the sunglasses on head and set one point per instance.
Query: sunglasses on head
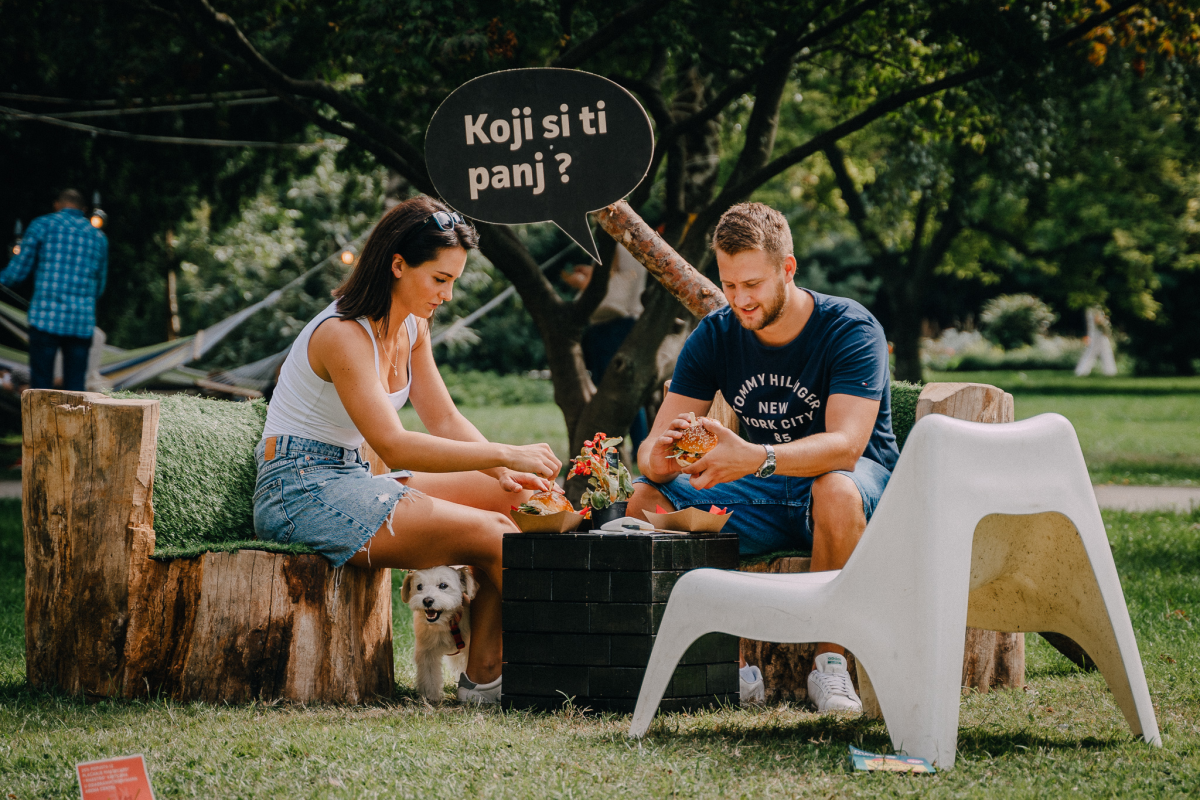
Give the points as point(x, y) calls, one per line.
point(445, 220)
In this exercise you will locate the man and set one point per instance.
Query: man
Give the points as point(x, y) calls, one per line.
point(69, 260)
point(808, 376)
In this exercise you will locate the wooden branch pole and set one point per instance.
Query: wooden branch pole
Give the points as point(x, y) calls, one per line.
point(698, 294)
point(104, 619)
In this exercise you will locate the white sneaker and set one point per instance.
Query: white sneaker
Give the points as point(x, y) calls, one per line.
point(829, 686)
point(751, 681)
point(484, 694)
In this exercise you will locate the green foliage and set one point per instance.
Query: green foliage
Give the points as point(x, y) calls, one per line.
point(970, 351)
point(1015, 320)
point(904, 409)
point(284, 228)
point(487, 389)
point(609, 480)
point(197, 548)
point(504, 341)
point(205, 471)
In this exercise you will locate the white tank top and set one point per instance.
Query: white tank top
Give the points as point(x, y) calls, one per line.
point(306, 406)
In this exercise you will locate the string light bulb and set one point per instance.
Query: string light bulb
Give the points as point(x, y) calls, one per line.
point(98, 217)
point(16, 245)
point(348, 255)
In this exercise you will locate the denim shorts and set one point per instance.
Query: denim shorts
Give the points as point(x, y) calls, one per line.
point(775, 513)
point(320, 495)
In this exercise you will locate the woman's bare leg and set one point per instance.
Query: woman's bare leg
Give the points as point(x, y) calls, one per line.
point(429, 532)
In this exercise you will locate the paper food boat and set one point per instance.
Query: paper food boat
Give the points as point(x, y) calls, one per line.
point(558, 522)
point(691, 520)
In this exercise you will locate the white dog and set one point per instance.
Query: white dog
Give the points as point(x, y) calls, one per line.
point(440, 601)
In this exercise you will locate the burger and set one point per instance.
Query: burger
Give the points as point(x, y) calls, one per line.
point(543, 503)
point(694, 444)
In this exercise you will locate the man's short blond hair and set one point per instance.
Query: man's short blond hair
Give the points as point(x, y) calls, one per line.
point(753, 226)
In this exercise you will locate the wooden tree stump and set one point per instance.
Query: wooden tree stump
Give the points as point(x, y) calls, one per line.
point(991, 659)
point(102, 618)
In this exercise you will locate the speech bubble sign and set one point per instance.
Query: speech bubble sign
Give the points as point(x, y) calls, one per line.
point(538, 145)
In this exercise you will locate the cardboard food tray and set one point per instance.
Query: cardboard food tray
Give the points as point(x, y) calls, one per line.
point(689, 520)
point(560, 522)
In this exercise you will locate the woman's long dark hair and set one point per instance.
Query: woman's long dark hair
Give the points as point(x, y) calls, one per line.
point(403, 229)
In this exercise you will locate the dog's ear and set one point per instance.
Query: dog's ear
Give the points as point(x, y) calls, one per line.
point(406, 588)
point(470, 587)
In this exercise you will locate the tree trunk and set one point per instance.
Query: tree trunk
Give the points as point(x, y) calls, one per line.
point(905, 328)
point(103, 618)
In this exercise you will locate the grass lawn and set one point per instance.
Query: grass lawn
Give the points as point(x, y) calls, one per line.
point(524, 424)
point(1063, 735)
point(1132, 430)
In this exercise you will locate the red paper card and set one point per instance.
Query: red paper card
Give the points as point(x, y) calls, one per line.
point(122, 778)
point(717, 511)
point(659, 509)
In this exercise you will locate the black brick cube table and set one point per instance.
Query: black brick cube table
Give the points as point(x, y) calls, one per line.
point(581, 611)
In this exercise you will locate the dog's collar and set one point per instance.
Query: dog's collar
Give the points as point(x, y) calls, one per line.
point(459, 644)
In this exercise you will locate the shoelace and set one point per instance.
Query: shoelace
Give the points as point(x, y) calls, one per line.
point(836, 683)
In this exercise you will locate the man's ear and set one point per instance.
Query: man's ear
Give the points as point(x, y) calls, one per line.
point(406, 588)
point(470, 586)
point(789, 268)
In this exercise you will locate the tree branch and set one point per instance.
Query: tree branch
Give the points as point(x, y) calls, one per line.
point(763, 122)
point(350, 111)
point(785, 51)
point(854, 202)
point(697, 293)
point(732, 193)
point(620, 24)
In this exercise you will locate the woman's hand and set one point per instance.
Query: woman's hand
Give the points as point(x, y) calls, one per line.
point(520, 481)
point(536, 459)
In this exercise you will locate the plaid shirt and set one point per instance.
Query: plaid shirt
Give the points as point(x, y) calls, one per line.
point(72, 267)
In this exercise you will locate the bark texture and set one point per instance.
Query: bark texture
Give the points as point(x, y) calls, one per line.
point(104, 619)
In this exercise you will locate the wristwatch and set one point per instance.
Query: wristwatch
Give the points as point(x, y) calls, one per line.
point(768, 466)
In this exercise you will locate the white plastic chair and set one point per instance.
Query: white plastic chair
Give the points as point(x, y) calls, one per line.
point(993, 526)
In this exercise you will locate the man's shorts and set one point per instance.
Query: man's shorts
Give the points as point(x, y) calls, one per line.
point(774, 513)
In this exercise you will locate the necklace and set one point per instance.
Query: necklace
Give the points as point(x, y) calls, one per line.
point(395, 361)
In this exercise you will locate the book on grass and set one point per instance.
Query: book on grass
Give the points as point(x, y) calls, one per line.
point(876, 762)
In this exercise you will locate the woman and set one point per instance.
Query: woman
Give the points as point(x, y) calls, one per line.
point(349, 371)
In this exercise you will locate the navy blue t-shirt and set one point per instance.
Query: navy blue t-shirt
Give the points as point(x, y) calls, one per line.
point(780, 393)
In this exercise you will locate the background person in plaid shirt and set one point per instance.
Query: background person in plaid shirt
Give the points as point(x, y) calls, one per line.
point(69, 261)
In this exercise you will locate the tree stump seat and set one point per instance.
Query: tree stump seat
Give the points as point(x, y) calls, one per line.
point(137, 514)
point(991, 660)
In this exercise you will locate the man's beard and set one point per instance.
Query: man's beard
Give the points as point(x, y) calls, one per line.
point(771, 312)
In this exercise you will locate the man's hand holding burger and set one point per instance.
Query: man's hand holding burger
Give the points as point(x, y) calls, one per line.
point(705, 450)
point(728, 458)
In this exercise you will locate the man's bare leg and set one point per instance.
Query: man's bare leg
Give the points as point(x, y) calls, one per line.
point(646, 498)
point(838, 524)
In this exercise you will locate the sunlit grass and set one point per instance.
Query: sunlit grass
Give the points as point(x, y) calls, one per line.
point(1063, 735)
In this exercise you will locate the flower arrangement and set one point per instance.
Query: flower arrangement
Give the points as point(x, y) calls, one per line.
point(608, 479)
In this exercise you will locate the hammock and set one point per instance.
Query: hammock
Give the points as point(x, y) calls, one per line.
point(129, 369)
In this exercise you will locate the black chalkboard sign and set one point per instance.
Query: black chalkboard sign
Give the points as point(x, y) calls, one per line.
point(538, 145)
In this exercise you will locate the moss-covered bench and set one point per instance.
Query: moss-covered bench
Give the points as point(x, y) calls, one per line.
point(992, 659)
point(143, 576)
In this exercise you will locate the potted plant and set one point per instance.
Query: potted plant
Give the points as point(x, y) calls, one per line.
point(609, 483)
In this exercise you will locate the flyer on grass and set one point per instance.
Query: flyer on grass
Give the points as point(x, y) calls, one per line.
point(121, 778)
point(876, 762)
